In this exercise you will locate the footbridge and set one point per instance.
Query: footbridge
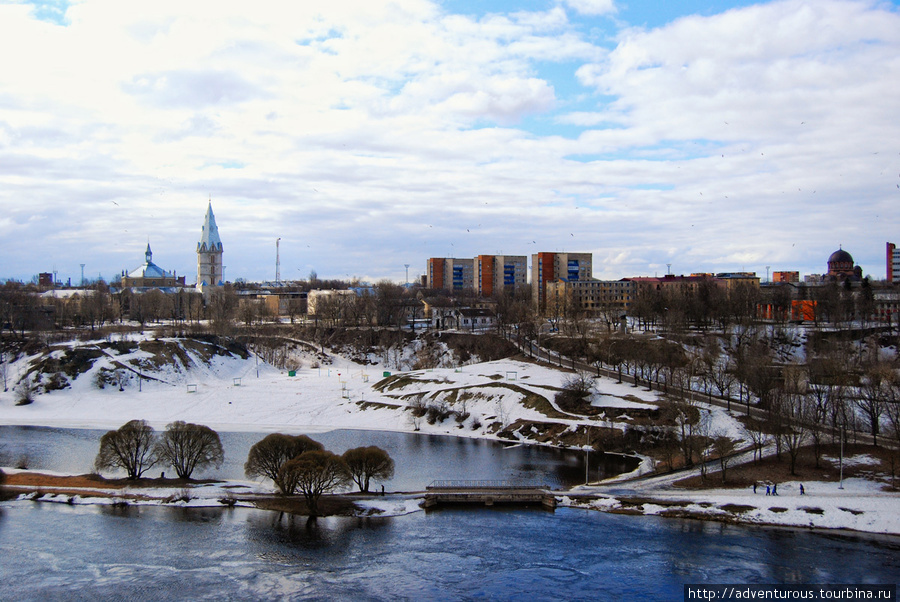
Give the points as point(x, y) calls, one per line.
point(487, 493)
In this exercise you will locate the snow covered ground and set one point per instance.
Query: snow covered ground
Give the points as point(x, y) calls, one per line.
point(861, 505)
point(233, 394)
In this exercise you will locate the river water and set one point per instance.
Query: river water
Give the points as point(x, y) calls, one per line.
point(55, 551)
point(419, 459)
point(58, 552)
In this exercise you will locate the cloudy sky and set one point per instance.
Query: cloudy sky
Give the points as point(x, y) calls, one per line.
point(368, 134)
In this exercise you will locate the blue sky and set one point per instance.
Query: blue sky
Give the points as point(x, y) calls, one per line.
point(713, 136)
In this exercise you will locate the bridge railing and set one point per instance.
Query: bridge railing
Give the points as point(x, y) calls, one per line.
point(475, 485)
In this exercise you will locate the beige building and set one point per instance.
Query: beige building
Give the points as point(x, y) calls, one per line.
point(610, 297)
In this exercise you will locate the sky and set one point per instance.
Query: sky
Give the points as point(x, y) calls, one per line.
point(708, 136)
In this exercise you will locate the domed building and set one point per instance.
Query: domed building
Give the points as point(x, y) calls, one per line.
point(840, 267)
point(150, 275)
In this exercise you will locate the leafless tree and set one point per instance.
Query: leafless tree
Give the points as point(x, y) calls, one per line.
point(187, 446)
point(131, 448)
point(268, 456)
point(723, 447)
point(366, 463)
point(312, 474)
point(874, 391)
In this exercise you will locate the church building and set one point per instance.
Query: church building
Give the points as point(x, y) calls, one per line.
point(149, 275)
point(210, 271)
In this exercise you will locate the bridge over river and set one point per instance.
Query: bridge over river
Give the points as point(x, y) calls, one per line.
point(487, 493)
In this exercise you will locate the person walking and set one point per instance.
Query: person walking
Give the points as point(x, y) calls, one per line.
point(775, 489)
point(754, 488)
point(802, 491)
point(767, 490)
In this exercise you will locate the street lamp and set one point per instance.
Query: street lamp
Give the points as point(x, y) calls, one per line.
point(841, 484)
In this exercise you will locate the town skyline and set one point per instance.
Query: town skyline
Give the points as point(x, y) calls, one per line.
point(715, 137)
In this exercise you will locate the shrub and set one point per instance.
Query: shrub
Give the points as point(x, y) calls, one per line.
point(25, 393)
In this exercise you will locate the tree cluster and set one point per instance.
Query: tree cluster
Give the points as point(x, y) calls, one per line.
point(298, 464)
point(135, 448)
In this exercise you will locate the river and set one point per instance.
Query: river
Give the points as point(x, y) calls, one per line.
point(55, 551)
point(418, 458)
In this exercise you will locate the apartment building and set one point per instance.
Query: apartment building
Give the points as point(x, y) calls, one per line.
point(552, 267)
point(450, 273)
point(497, 273)
point(893, 263)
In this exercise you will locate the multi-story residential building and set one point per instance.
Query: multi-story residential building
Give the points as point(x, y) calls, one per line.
point(786, 277)
point(498, 273)
point(893, 263)
point(552, 267)
point(450, 273)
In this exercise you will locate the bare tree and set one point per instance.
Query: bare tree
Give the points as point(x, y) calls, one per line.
point(187, 446)
point(312, 474)
point(131, 448)
point(268, 456)
point(366, 463)
point(874, 391)
point(723, 447)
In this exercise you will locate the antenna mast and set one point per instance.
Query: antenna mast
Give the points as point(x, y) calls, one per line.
point(277, 260)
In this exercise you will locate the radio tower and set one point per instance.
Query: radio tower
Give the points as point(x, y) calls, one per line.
point(277, 261)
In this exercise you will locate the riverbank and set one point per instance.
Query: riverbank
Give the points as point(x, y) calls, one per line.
point(92, 489)
point(860, 506)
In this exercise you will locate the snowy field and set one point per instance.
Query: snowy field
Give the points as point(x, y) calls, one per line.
point(233, 394)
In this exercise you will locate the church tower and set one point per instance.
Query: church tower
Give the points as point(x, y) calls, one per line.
point(210, 272)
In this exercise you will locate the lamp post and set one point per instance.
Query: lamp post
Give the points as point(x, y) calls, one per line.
point(587, 444)
point(841, 484)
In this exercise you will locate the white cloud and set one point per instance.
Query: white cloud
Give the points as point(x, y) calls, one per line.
point(713, 139)
point(592, 7)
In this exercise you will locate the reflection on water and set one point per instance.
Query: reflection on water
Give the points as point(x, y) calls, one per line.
point(55, 551)
point(419, 458)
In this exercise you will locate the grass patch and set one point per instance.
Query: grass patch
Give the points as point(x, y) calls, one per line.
point(811, 510)
point(851, 511)
point(737, 508)
point(376, 405)
point(777, 509)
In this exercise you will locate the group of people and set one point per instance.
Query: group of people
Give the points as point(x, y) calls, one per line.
point(773, 489)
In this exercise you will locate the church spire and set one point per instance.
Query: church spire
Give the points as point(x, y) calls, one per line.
point(209, 236)
point(148, 254)
point(210, 271)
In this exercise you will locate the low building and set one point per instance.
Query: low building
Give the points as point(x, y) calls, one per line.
point(602, 297)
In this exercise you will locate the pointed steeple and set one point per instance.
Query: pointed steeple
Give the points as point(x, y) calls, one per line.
point(209, 236)
point(148, 254)
point(210, 271)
